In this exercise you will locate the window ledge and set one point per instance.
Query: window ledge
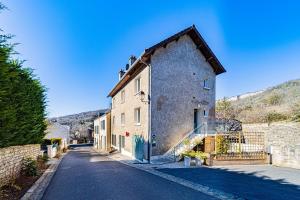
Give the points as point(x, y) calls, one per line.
point(206, 88)
point(137, 124)
point(137, 93)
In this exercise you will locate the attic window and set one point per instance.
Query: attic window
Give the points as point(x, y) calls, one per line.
point(137, 85)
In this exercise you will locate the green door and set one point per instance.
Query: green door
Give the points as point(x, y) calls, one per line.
point(138, 147)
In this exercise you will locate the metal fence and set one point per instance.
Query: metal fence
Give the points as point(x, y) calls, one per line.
point(239, 145)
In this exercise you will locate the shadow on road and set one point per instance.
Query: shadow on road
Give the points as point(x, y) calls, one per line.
point(245, 185)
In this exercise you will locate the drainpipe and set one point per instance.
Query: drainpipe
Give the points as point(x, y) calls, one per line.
point(149, 112)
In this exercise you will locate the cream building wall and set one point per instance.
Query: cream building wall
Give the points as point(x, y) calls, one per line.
point(132, 101)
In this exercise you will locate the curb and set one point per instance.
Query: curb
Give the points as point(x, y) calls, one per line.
point(37, 190)
point(195, 186)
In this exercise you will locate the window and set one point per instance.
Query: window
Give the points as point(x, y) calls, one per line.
point(123, 96)
point(205, 113)
point(122, 119)
point(114, 102)
point(113, 120)
point(137, 116)
point(103, 125)
point(96, 129)
point(137, 85)
point(205, 84)
point(122, 141)
point(113, 139)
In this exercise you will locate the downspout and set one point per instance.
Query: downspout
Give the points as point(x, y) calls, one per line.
point(149, 112)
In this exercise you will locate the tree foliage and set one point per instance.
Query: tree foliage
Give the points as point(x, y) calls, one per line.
point(224, 109)
point(22, 100)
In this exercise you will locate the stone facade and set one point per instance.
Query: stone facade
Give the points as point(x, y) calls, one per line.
point(177, 89)
point(282, 140)
point(177, 72)
point(131, 101)
point(11, 160)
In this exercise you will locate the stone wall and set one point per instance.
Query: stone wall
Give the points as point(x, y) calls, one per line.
point(11, 160)
point(282, 140)
point(177, 89)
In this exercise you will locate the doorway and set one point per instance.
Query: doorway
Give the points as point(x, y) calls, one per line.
point(196, 121)
point(121, 143)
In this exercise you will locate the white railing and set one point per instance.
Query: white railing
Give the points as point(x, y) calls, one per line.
point(180, 147)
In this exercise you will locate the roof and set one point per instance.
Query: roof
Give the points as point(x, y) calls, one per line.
point(139, 64)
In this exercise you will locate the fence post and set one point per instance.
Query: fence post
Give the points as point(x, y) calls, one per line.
point(240, 144)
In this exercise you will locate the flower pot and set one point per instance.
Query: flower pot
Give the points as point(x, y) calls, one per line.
point(199, 161)
point(187, 161)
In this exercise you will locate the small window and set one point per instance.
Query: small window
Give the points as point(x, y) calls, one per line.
point(122, 119)
point(114, 102)
point(137, 116)
point(205, 113)
point(137, 85)
point(113, 139)
point(103, 125)
point(123, 96)
point(205, 84)
point(113, 120)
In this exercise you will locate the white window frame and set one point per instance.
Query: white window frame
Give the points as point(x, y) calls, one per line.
point(205, 84)
point(122, 119)
point(122, 96)
point(115, 140)
point(137, 116)
point(137, 85)
point(113, 102)
point(102, 124)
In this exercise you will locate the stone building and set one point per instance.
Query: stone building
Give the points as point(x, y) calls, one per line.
point(164, 94)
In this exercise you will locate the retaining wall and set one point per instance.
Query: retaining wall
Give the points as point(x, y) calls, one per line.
point(11, 160)
point(282, 140)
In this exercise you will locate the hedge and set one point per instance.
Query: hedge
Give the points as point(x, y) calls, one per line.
point(22, 100)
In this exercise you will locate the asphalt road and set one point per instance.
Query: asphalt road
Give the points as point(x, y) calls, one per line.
point(86, 175)
point(247, 182)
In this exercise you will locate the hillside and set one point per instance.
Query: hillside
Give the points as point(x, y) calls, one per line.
point(278, 103)
point(80, 124)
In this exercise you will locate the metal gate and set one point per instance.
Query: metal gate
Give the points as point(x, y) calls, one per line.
point(138, 147)
point(240, 145)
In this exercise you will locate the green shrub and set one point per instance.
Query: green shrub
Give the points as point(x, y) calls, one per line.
point(274, 99)
point(29, 167)
point(201, 155)
point(22, 100)
point(44, 158)
point(186, 141)
point(222, 144)
point(274, 117)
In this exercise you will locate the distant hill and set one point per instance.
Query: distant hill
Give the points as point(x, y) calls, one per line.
point(278, 103)
point(80, 124)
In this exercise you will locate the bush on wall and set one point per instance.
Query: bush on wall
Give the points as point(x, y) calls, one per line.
point(22, 100)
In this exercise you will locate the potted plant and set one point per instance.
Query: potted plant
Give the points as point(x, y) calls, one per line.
point(187, 157)
point(200, 158)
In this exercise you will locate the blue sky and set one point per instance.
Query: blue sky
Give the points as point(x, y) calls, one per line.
point(78, 47)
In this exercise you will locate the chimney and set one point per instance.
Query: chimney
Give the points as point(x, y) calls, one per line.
point(121, 74)
point(126, 67)
point(132, 59)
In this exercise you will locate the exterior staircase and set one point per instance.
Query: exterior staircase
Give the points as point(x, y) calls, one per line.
point(173, 154)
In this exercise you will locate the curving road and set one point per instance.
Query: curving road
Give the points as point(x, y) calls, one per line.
point(85, 175)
